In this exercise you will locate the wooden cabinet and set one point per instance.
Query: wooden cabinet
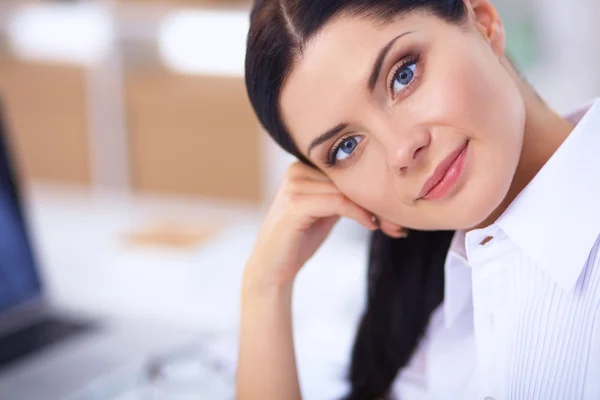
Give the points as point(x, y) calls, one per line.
point(195, 135)
point(45, 108)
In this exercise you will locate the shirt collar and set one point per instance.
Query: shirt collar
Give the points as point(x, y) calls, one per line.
point(555, 220)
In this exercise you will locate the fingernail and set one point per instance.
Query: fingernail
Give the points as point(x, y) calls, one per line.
point(403, 233)
point(375, 221)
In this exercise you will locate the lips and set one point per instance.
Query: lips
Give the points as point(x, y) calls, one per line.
point(446, 175)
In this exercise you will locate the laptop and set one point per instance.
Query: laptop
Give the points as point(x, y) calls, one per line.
point(47, 353)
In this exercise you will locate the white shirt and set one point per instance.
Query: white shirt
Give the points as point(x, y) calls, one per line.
point(521, 313)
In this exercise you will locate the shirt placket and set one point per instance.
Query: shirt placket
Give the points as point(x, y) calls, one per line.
point(490, 285)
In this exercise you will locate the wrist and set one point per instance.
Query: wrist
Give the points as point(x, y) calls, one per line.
point(257, 283)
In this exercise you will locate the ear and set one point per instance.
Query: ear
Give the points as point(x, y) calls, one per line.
point(487, 21)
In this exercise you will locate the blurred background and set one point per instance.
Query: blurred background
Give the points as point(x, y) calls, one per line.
point(145, 171)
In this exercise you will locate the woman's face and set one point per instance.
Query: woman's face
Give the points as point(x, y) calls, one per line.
point(405, 104)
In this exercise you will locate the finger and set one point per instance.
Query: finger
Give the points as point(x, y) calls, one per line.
point(398, 234)
point(309, 186)
point(392, 229)
point(347, 208)
point(330, 204)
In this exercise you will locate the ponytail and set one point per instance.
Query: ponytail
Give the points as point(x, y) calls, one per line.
point(405, 285)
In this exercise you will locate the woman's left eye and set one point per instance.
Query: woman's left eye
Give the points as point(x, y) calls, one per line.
point(403, 77)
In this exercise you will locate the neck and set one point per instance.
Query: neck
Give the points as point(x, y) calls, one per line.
point(544, 132)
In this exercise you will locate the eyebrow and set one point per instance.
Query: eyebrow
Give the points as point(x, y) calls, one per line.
point(325, 137)
point(373, 78)
point(380, 59)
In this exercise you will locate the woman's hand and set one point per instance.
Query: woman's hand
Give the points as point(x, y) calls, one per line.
point(304, 211)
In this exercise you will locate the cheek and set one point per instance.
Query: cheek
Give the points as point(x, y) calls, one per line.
point(367, 188)
point(467, 89)
point(488, 107)
point(458, 95)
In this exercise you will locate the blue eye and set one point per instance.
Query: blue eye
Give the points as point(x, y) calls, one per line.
point(347, 147)
point(403, 77)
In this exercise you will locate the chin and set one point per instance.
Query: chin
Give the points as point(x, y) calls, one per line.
point(476, 212)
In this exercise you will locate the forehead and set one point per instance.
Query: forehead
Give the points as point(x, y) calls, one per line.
point(329, 79)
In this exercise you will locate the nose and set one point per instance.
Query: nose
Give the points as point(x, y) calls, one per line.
point(405, 151)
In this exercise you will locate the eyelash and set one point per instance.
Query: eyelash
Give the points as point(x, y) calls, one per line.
point(331, 157)
point(409, 60)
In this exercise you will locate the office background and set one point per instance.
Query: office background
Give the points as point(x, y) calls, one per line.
point(146, 172)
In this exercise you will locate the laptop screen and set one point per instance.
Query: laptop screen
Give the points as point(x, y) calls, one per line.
point(19, 281)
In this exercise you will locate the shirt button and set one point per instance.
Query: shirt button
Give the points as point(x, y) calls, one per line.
point(489, 398)
point(485, 241)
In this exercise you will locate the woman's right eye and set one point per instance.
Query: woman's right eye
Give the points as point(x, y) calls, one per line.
point(403, 78)
point(344, 149)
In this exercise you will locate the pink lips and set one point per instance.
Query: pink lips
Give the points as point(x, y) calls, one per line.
point(446, 175)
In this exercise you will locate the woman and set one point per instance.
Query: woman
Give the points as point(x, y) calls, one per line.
point(407, 116)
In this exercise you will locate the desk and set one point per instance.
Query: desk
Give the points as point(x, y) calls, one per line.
point(89, 268)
